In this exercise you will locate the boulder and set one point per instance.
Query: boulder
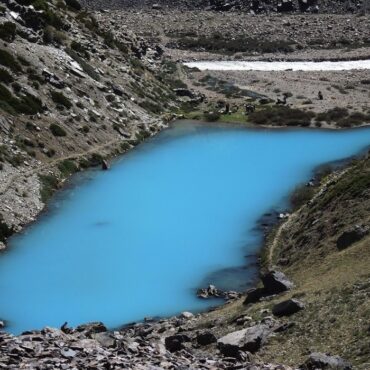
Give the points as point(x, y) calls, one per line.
point(287, 308)
point(352, 236)
point(91, 328)
point(206, 338)
point(105, 339)
point(319, 360)
point(250, 339)
point(276, 282)
point(254, 295)
point(186, 315)
point(176, 342)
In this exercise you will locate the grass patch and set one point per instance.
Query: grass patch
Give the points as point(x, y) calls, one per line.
point(86, 67)
point(57, 130)
point(49, 184)
point(60, 99)
point(281, 116)
point(67, 167)
point(219, 43)
point(26, 104)
point(5, 76)
point(301, 195)
point(8, 31)
point(7, 60)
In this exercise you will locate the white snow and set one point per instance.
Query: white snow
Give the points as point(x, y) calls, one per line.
point(279, 66)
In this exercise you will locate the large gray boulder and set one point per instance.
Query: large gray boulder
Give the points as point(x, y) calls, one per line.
point(276, 282)
point(249, 339)
point(287, 308)
point(319, 360)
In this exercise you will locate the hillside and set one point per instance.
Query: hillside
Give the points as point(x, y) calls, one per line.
point(71, 93)
point(252, 6)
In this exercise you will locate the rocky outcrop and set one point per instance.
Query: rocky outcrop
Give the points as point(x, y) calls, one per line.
point(213, 292)
point(250, 340)
point(274, 282)
point(323, 361)
point(206, 338)
point(352, 236)
point(287, 308)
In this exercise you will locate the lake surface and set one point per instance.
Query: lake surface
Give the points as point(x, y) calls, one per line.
point(175, 214)
point(279, 66)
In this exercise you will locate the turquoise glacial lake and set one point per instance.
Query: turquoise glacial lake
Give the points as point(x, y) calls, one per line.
point(177, 213)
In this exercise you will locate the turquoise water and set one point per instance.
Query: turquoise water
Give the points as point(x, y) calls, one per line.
point(176, 213)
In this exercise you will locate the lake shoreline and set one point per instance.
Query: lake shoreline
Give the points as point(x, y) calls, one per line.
point(344, 162)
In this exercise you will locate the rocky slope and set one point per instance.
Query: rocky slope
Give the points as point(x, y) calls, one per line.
point(71, 93)
point(252, 6)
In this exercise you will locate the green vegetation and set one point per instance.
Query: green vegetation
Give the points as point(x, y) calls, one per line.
point(211, 116)
point(52, 35)
point(227, 88)
point(73, 4)
point(26, 104)
point(301, 195)
point(280, 116)
point(5, 230)
point(5, 76)
point(151, 106)
point(8, 31)
point(220, 43)
point(94, 160)
point(59, 98)
point(49, 184)
point(7, 60)
point(67, 167)
point(57, 130)
point(86, 67)
point(342, 117)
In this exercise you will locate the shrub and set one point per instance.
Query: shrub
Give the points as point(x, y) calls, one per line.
point(57, 130)
point(301, 196)
point(49, 183)
point(5, 76)
point(5, 230)
point(73, 4)
point(281, 115)
point(223, 44)
point(8, 31)
point(67, 167)
point(7, 60)
point(332, 115)
point(86, 67)
point(52, 35)
point(59, 98)
point(26, 104)
point(211, 116)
